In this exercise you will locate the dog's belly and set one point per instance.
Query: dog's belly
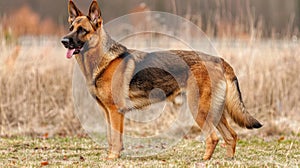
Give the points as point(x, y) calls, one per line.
point(156, 81)
point(154, 85)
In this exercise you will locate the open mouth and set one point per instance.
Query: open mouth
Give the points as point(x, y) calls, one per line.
point(72, 51)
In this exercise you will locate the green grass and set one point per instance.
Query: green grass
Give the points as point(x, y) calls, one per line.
point(82, 152)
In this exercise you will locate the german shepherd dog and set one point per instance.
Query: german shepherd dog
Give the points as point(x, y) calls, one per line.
point(116, 75)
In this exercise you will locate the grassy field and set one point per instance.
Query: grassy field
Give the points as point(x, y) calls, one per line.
point(83, 152)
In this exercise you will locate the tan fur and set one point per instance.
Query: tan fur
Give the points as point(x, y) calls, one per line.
point(121, 79)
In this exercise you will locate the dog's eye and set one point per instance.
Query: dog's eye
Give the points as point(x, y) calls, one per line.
point(71, 28)
point(82, 30)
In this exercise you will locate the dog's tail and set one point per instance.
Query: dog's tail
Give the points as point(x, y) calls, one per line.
point(234, 102)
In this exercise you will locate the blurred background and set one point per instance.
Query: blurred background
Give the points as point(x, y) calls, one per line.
point(258, 37)
point(218, 18)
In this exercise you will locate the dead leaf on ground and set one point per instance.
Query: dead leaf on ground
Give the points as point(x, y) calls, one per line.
point(65, 158)
point(81, 158)
point(44, 163)
point(280, 139)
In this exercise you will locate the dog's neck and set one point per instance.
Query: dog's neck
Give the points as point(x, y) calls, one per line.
point(97, 55)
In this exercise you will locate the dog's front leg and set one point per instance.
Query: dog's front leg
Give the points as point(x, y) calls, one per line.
point(116, 132)
point(108, 130)
point(108, 127)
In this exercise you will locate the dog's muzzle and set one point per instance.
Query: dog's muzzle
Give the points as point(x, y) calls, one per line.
point(72, 49)
point(65, 42)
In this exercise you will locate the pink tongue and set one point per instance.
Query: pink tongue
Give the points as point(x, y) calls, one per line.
point(70, 53)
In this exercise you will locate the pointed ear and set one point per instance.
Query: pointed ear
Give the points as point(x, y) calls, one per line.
point(95, 14)
point(73, 11)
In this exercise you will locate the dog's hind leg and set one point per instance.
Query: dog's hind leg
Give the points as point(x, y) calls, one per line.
point(211, 143)
point(229, 136)
point(199, 99)
point(207, 128)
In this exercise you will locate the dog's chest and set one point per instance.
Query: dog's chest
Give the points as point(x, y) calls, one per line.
point(110, 84)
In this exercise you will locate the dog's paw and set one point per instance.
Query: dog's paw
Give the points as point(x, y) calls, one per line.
point(112, 156)
point(206, 157)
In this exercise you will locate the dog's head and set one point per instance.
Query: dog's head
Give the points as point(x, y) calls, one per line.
point(82, 27)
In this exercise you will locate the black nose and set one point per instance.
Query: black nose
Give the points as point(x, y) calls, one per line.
point(65, 41)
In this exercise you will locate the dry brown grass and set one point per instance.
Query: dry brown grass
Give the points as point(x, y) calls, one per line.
point(36, 94)
point(269, 78)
